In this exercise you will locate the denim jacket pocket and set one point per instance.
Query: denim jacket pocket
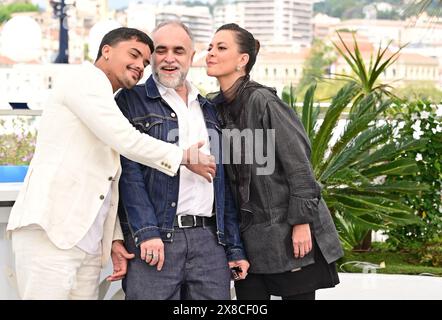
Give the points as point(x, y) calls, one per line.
point(151, 125)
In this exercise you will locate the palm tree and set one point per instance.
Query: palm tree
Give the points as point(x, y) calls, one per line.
point(353, 168)
point(420, 6)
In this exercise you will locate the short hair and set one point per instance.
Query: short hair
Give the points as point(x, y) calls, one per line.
point(177, 23)
point(246, 43)
point(123, 34)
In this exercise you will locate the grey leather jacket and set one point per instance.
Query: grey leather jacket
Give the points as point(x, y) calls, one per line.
point(271, 204)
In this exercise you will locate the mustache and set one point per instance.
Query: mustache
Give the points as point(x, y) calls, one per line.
point(137, 70)
point(167, 65)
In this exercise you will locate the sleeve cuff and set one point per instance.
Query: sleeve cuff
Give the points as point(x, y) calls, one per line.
point(172, 164)
point(118, 233)
point(302, 211)
point(235, 255)
point(146, 234)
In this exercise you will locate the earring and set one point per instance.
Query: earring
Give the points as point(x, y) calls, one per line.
point(238, 68)
point(106, 58)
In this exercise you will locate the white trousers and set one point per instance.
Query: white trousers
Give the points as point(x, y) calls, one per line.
point(46, 272)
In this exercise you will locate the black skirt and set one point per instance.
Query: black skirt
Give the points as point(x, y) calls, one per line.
point(318, 275)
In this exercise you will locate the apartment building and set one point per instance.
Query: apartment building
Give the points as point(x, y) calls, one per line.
point(146, 16)
point(270, 21)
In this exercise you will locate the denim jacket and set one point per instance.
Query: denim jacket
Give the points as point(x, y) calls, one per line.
point(148, 197)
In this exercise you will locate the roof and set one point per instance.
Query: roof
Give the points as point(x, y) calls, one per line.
point(6, 61)
point(263, 57)
point(404, 58)
point(373, 22)
point(364, 44)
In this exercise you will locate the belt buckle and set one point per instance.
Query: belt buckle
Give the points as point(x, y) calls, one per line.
point(180, 223)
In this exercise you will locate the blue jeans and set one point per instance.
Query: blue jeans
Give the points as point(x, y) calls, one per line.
point(195, 268)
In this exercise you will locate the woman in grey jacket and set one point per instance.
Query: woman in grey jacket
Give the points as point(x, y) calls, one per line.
point(289, 235)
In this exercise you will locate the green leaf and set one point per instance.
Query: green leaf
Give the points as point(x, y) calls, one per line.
point(378, 203)
point(356, 150)
point(400, 167)
point(339, 103)
point(402, 187)
point(355, 126)
point(400, 218)
point(349, 176)
point(307, 111)
point(392, 150)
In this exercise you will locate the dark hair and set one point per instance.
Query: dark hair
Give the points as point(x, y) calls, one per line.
point(123, 34)
point(246, 43)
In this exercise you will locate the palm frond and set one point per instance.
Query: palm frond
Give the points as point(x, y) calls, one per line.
point(386, 152)
point(367, 77)
point(356, 150)
point(418, 7)
point(402, 187)
point(308, 113)
point(365, 115)
point(351, 232)
point(322, 138)
point(400, 167)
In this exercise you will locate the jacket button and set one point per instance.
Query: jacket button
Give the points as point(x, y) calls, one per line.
point(110, 178)
point(136, 239)
point(146, 124)
point(101, 197)
point(162, 163)
point(168, 235)
point(173, 115)
point(173, 204)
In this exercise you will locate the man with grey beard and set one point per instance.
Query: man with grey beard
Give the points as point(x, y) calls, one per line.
point(183, 229)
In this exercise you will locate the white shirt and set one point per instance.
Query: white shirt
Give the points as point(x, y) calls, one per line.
point(196, 195)
point(91, 242)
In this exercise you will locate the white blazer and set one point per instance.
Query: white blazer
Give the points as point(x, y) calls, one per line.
point(81, 136)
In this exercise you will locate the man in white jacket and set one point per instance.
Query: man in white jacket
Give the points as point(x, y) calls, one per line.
point(64, 222)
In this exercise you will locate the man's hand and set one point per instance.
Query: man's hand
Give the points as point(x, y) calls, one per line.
point(152, 251)
point(119, 260)
point(243, 264)
point(302, 240)
point(198, 162)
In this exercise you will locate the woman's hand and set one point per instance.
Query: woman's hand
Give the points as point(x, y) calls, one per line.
point(302, 240)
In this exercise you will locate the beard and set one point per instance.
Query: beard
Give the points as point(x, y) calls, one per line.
point(172, 81)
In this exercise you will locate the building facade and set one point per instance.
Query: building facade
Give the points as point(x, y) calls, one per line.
point(270, 21)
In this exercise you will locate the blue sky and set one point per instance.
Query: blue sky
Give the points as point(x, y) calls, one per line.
point(113, 4)
point(116, 4)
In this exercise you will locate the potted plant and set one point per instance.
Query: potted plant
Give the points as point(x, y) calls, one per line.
point(17, 144)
